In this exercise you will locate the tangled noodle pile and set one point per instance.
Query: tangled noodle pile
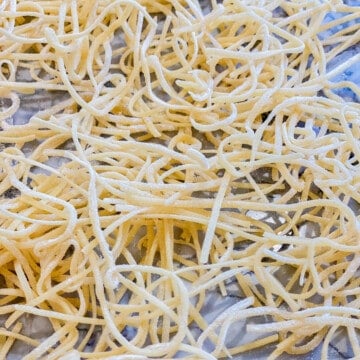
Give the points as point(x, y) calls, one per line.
point(198, 145)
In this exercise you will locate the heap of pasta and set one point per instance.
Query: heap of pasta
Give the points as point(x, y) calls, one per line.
point(191, 148)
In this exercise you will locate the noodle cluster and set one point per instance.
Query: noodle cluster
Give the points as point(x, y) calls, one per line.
point(201, 147)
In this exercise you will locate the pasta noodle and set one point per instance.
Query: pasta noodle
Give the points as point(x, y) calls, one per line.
point(191, 148)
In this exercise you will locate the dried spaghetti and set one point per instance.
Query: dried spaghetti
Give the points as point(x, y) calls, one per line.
point(201, 145)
